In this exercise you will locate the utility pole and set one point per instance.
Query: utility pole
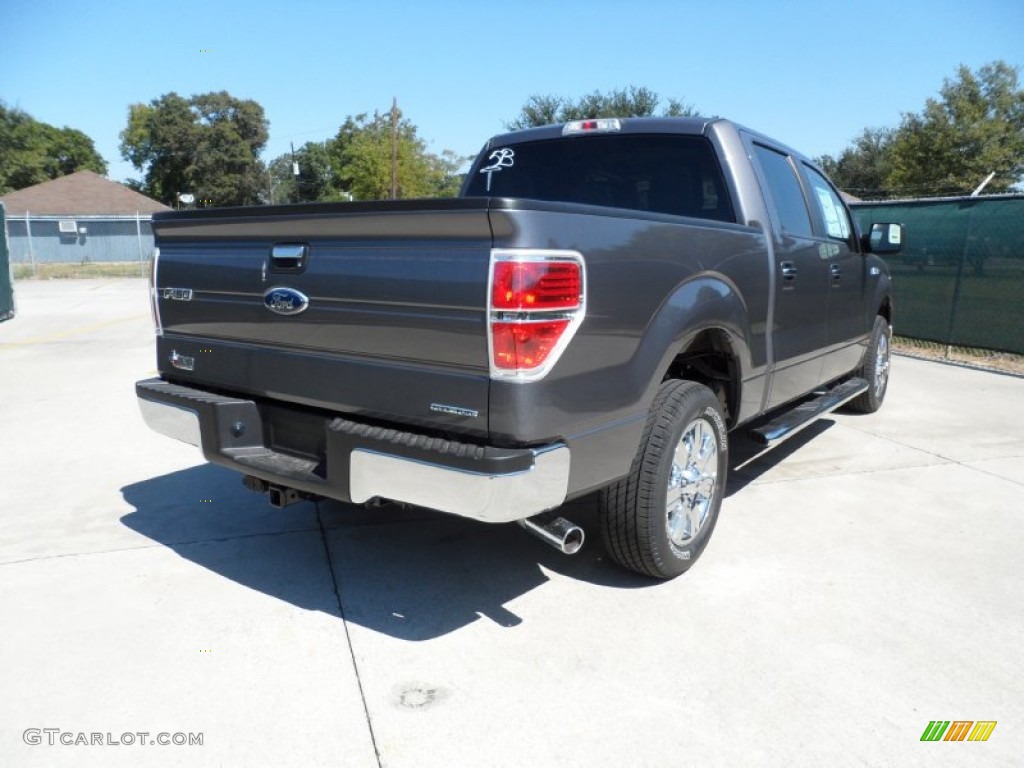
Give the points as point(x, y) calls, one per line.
point(394, 148)
point(295, 173)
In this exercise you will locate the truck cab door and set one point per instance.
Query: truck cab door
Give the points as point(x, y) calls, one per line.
point(848, 318)
point(800, 324)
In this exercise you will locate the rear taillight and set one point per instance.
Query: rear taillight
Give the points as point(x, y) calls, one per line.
point(536, 285)
point(536, 303)
point(525, 345)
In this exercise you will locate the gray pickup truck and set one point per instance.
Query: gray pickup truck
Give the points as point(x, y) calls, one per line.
point(603, 303)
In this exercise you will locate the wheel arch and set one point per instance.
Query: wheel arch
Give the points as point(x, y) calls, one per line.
point(710, 358)
point(885, 308)
point(700, 333)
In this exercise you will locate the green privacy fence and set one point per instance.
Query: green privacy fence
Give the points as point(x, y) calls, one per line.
point(6, 288)
point(960, 277)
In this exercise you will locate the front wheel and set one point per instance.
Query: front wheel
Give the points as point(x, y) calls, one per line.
point(658, 519)
point(875, 368)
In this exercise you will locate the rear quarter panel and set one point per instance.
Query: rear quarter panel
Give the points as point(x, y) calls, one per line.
point(653, 283)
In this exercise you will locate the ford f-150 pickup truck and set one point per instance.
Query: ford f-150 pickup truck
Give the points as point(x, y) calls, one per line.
point(603, 303)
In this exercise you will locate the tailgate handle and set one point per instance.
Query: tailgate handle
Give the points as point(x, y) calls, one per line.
point(288, 257)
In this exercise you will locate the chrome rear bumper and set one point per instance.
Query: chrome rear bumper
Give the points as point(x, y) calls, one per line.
point(362, 462)
point(492, 498)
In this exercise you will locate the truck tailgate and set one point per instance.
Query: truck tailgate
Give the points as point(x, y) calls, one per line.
point(395, 324)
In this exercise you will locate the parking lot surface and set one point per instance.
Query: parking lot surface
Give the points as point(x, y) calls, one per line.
point(864, 580)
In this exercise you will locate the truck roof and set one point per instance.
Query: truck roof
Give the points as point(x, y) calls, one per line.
point(695, 126)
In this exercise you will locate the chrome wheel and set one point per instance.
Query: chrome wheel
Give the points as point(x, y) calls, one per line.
point(881, 365)
point(658, 520)
point(691, 483)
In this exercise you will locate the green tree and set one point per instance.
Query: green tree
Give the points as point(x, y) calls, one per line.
point(207, 145)
point(70, 151)
point(974, 128)
point(362, 152)
point(317, 178)
point(862, 169)
point(32, 152)
point(627, 102)
point(445, 172)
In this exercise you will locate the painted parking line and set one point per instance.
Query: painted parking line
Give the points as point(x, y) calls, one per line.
point(71, 333)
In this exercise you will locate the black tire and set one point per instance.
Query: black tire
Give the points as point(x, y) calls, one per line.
point(874, 369)
point(635, 517)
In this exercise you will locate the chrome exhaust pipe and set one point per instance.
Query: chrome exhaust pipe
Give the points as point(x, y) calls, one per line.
point(558, 532)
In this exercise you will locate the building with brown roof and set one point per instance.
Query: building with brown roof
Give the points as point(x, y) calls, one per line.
point(79, 194)
point(81, 217)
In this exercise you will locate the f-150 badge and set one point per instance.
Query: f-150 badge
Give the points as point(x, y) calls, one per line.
point(285, 301)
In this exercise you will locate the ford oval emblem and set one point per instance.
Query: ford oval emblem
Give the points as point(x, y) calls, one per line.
point(285, 301)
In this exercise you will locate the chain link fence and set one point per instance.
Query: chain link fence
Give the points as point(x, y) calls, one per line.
point(959, 280)
point(38, 244)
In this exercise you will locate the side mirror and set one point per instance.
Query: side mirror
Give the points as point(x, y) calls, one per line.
point(884, 239)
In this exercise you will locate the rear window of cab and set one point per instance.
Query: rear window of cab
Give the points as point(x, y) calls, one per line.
point(673, 174)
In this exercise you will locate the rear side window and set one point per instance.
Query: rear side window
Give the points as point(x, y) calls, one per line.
point(785, 192)
point(831, 208)
point(677, 175)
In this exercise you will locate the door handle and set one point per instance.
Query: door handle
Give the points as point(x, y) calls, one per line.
point(837, 273)
point(788, 271)
point(288, 257)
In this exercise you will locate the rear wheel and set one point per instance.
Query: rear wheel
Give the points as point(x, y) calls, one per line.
point(875, 368)
point(658, 519)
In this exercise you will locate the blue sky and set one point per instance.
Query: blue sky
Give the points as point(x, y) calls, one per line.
point(811, 74)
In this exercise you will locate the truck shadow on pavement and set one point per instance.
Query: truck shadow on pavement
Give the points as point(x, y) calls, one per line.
point(409, 573)
point(749, 461)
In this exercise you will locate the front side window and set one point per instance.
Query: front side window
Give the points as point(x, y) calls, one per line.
point(672, 174)
point(831, 208)
point(784, 190)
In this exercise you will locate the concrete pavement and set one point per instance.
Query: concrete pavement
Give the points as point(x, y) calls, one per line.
point(863, 580)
